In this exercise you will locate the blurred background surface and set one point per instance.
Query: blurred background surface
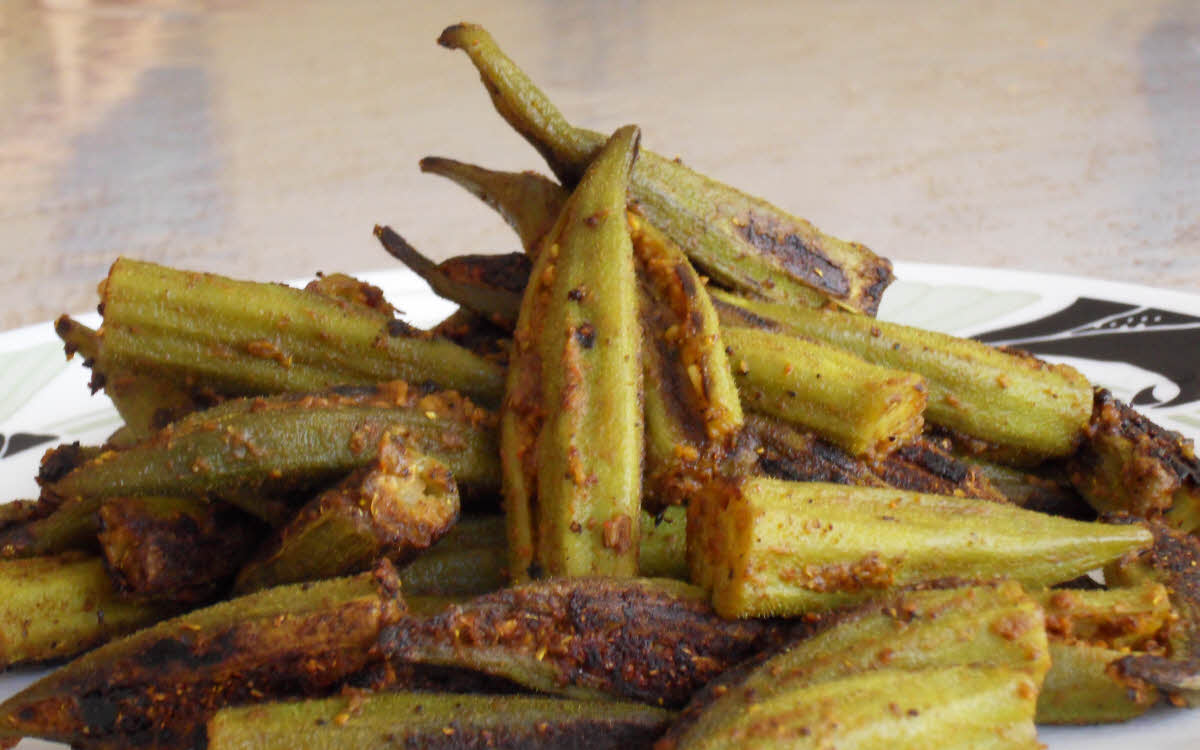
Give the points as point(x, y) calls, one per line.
point(264, 139)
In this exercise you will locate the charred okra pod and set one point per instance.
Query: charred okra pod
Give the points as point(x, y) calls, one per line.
point(490, 285)
point(1026, 406)
point(904, 634)
point(57, 607)
point(398, 505)
point(157, 687)
point(741, 241)
point(587, 638)
point(767, 547)
point(1128, 464)
point(437, 721)
point(867, 409)
point(174, 549)
point(245, 338)
point(1174, 561)
point(571, 426)
point(529, 202)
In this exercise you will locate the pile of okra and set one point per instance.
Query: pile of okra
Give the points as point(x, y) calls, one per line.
point(663, 480)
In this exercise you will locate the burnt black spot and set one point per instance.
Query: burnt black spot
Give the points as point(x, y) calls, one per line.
point(60, 461)
point(585, 334)
point(99, 713)
point(576, 294)
point(801, 256)
point(535, 570)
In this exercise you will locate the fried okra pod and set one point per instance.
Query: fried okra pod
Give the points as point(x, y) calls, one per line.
point(527, 201)
point(490, 285)
point(887, 670)
point(288, 440)
point(57, 607)
point(174, 549)
point(1128, 464)
point(394, 507)
point(741, 241)
point(649, 640)
point(440, 721)
point(1173, 561)
point(769, 547)
point(246, 338)
point(1030, 408)
point(867, 409)
point(571, 425)
point(157, 687)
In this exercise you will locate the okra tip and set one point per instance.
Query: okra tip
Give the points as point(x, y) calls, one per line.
point(459, 35)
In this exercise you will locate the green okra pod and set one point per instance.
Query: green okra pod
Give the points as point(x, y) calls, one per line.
point(527, 201)
point(1029, 407)
point(57, 607)
point(953, 708)
point(351, 291)
point(288, 440)
point(995, 625)
point(440, 721)
point(394, 507)
point(588, 638)
point(867, 409)
point(769, 547)
point(741, 241)
point(157, 687)
point(174, 549)
point(571, 426)
point(245, 338)
point(1081, 687)
point(146, 403)
point(490, 285)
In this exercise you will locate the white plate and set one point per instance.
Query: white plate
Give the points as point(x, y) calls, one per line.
point(1141, 343)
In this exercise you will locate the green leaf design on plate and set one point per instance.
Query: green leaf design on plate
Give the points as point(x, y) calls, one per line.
point(949, 308)
point(25, 372)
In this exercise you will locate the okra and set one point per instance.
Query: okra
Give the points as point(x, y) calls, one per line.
point(490, 285)
point(174, 549)
point(472, 558)
point(57, 607)
point(477, 333)
point(957, 707)
point(157, 687)
point(1014, 400)
point(1042, 488)
point(146, 403)
point(281, 441)
point(867, 409)
point(769, 547)
point(396, 506)
point(586, 638)
point(692, 410)
point(740, 241)
point(245, 338)
point(438, 721)
point(1133, 618)
point(1128, 464)
point(1082, 687)
point(1173, 561)
point(571, 426)
point(996, 626)
point(527, 201)
point(782, 451)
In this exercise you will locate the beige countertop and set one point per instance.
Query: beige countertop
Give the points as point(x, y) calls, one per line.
point(264, 139)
